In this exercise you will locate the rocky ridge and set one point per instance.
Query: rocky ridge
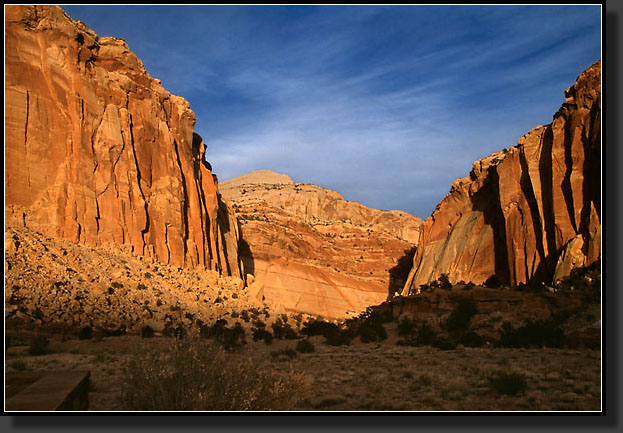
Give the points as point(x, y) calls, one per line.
point(98, 152)
point(527, 214)
point(311, 251)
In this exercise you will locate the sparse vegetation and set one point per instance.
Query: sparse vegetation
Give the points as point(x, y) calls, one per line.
point(282, 329)
point(305, 346)
point(283, 354)
point(460, 318)
point(191, 375)
point(38, 346)
point(18, 365)
point(493, 281)
point(85, 333)
point(534, 333)
point(259, 332)
point(147, 332)
point(508, 383)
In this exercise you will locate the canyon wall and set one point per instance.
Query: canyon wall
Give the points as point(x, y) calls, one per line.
point(527, 214)
point(311, 251)
point(97, 151)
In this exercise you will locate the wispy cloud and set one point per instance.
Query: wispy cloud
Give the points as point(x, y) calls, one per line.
point(386, 105)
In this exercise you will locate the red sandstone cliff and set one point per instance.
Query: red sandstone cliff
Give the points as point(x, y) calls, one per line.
point(530, 213)
point(97, 151)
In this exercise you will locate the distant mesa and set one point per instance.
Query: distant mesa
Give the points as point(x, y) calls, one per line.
point(257, 177)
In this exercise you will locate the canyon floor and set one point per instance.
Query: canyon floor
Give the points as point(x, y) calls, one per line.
point(360, 377)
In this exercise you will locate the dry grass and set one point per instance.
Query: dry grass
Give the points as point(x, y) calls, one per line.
point(192, 375)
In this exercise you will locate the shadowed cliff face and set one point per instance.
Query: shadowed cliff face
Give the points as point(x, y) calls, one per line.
point(97, 151)
point(528, 214)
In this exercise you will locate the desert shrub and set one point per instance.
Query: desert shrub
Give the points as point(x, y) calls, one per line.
point(508, 383)
point(228, 338)
point(245, 316)
point(333, 334)
point(305, 346)
point(339, 338)
point(423, 336)
point(18, 365)
point(282, 329)
point(459, 319)
point(116, 285)
point(85, 333)
point(318, 327)
point(147, 332)
point(283, 354)
point(113, 332)
point(193, 375)
point(178, 332)
point(376, 314)
point(38, 346)
point(534, 333)
point(471, 339)
point(443, 343)
point(231, 338)
point(262, 334)
point(426, 288)
point(444, 282)
point(493, 282)
point(586, 280)
point(370, 331)
point(406, 326)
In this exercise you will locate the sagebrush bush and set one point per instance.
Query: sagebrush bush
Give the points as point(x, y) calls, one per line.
point(406, 326)
point(194, 375)
point(262, 334)
point(305, 346)
point(85, 333)
point(282, 329)
point(533, 333)
point(147, 331)
point(460, 318)
point(318, 327)
point(38, 346)
point(283, 354)
point(370, 331)
point(508, 383)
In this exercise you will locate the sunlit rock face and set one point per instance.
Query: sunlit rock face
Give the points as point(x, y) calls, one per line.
point(97, 151)
point(527, 214)
point(311, 251)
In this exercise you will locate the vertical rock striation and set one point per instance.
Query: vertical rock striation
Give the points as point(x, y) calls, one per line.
point(98, 152)
point(527, 214)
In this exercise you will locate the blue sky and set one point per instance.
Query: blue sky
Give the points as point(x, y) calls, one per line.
point(387, 105)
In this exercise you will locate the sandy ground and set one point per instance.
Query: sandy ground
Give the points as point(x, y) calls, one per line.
point(364, 377)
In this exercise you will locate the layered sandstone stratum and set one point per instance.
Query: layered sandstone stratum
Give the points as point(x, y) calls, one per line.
point(527, 214)
point(97, 151)
point(311, 251)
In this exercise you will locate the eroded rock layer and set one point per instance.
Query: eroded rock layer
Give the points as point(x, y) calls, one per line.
point(528, 214)
point(97, 151)
point(311, 251)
